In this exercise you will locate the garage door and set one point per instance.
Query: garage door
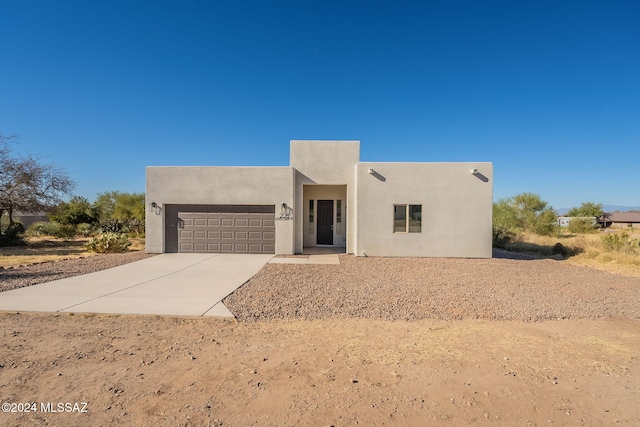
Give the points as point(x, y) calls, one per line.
point(227, 232)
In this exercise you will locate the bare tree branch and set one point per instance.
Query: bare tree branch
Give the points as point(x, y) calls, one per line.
point(27, 184)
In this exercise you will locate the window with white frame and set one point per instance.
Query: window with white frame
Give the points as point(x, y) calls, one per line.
point(407, 218)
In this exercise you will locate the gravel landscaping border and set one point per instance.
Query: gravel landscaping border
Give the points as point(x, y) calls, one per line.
point(502, 288)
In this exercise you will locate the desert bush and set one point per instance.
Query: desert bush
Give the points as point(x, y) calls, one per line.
point(620, 242)
point(502, 238)
point(545, 223)
point(582, 226)
point(111, 226)
point(41, 228)
point(13, 235)
point(66, 231)
point(85, 229)
point(53, 229)
point(523, 213)
point(582, 249)
point(109, 243)
point(581, 243)
point(550, 246)
point(133, 227)
point(121, 212)
point(76, 211)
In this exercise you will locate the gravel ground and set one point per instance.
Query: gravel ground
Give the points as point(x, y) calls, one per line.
point(18, 277)
point(507, 287)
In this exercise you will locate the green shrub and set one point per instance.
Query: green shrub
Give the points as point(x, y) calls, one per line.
point(133, 227)
point(13, 235)
point(41, 228)
point(501, 237)
point(111, 226)
point(582, 226)
point(109, 243)
point(76, 211)
point(53, 229)
point(620, 243)
point(66, 231)
point(38, 228)
point(85, 229)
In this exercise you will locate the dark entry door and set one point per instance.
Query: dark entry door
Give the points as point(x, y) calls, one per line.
point(325, 222)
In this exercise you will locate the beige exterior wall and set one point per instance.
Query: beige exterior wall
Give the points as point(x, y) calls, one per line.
point(456, 204)
point(209, 185)
point(324, 163)
point(456, 209)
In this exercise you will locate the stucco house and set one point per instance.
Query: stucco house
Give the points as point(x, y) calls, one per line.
point(620, 220)
point(325, 197)
point(28, 218)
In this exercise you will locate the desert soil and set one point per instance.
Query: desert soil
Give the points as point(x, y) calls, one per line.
point(500, 342)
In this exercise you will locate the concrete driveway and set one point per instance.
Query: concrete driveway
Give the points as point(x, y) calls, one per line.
point(166, 284)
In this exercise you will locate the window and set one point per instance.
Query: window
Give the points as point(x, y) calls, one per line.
point(399, 218)
point(407, 218)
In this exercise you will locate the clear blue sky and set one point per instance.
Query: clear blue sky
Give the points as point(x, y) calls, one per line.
point(549, 91)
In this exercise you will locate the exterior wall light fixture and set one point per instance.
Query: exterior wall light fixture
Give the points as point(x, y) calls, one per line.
point(474, 171)
point(286, 213)
point(153, 207)
point(371, 171)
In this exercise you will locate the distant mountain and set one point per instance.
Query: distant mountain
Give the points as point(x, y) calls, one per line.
point(605, 208)
point(611, 208)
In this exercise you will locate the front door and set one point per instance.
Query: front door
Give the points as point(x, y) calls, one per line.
point(325, 222)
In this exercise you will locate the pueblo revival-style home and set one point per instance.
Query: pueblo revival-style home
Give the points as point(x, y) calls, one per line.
point(326, 197)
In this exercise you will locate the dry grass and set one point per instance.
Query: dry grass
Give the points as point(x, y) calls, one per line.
point(42, 249)
point(584, 250)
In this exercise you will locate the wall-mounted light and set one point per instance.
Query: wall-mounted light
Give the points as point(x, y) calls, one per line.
point(153, 207)
point(371, 171)
point(286, 213)
point(474, 171)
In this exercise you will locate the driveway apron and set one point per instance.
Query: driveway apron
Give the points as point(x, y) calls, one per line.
point(166, 284)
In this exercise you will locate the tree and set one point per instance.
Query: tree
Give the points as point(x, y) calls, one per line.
point(505, 221)
point(27, 184)
point(129, 206)
point(525, 212)
point(546, 222)
point(105, 204)
point(587, 209)
point(76, 211)
point(121, 211)
point(529, 209)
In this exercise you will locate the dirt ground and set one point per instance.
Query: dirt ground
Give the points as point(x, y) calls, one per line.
point(145, 370)
point(47, 249)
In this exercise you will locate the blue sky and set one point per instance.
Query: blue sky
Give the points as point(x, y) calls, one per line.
point(549, 91)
